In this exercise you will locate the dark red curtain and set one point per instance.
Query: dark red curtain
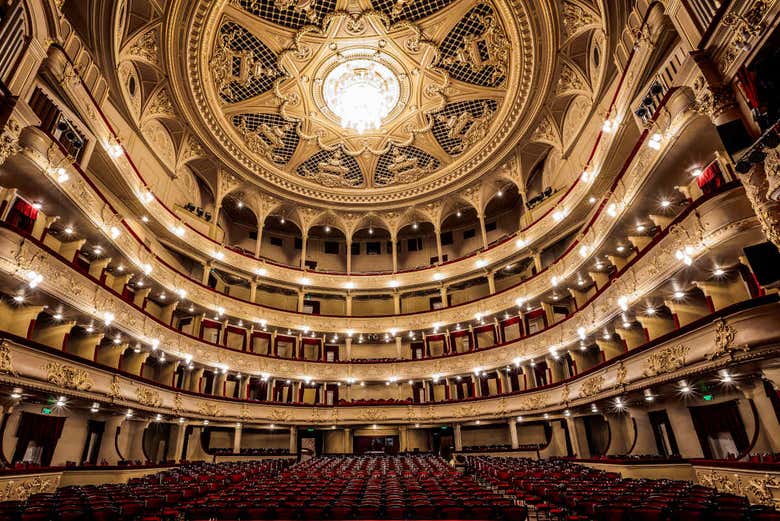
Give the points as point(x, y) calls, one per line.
point(710, 179)
point(747, 82)
point(45, 431)
point(22, 215)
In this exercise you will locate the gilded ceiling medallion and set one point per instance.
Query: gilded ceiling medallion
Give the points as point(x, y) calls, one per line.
point(327, 97)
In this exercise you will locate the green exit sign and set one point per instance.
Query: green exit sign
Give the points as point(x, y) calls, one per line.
point(46, 410)
point(707, 397)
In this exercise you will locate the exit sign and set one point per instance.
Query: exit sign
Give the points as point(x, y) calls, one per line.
point(46, 410)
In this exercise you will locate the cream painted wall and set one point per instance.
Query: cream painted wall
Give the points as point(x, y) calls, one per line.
point(256, 439)
point(418, 439)
point(493, 435)
point(333, 442)
point(530, 434)
point(387, 350)
point(372, 306)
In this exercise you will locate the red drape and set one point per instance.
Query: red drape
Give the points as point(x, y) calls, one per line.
point(26, 209)
point(710, 179)
point(747, 82)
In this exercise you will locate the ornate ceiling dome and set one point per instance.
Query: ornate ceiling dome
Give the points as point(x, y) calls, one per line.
point(363, 102)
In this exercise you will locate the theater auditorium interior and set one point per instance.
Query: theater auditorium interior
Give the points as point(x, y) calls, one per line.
point(491, 260)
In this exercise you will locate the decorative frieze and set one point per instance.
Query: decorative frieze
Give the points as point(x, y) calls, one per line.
point(68, 376)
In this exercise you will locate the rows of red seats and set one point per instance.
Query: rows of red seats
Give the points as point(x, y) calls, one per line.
point(559, 489)
point(151, 498)
point(355, 487)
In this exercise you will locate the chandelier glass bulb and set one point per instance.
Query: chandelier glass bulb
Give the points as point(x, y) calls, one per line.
point(361, 92)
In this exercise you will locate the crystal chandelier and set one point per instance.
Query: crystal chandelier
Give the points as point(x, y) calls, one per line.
point(361, 92)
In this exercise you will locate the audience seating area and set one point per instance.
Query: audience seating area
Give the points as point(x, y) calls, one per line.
point(561, 490)
point(387, 487)
point(365, 487)
point(152, 498)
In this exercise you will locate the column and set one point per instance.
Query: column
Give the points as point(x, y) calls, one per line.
point(512, 424)
point(348, 348)
point(483, 230)
point(437, 233)
point(347, 440)
point(394, 242)
point(259, 242)
point(396, 302)
point(206, 271)
point(179, 430)
point(107, 446)
point(537, 257)
point(398, 347)
point(403, 442)
point(304, 240)
point(768, 424)
point(252, 290)
point(349, 256)
point(214, 221)
point(477, 383)
point(349, 304)
point(443, 292)
point(457, 438)
point(293, 439)
point(300, 300)
point(491, 278)
point(237, 439)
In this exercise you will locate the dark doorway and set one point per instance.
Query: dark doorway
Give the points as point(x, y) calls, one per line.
point(665, 441)
point(720, 430)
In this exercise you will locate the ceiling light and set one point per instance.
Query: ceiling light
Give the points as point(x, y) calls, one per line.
point(144, 219)
point(361, 93)
point(640, 228)
point(679, 295)
point(665, 203)
point(62, 175)
point(37, 205)
point(591, 200)
point(68, 230)
point(719, 272)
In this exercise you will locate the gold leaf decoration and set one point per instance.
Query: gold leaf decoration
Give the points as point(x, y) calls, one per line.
point(666, 360)
point(67, 376)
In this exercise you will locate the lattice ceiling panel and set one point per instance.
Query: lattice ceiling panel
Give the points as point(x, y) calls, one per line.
point(290, 13)
point(244, 67)
point(476, 50)
point(409, 10)
point(332, 169)
point(268, 135)
point(460, 124)
point(404, 165)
